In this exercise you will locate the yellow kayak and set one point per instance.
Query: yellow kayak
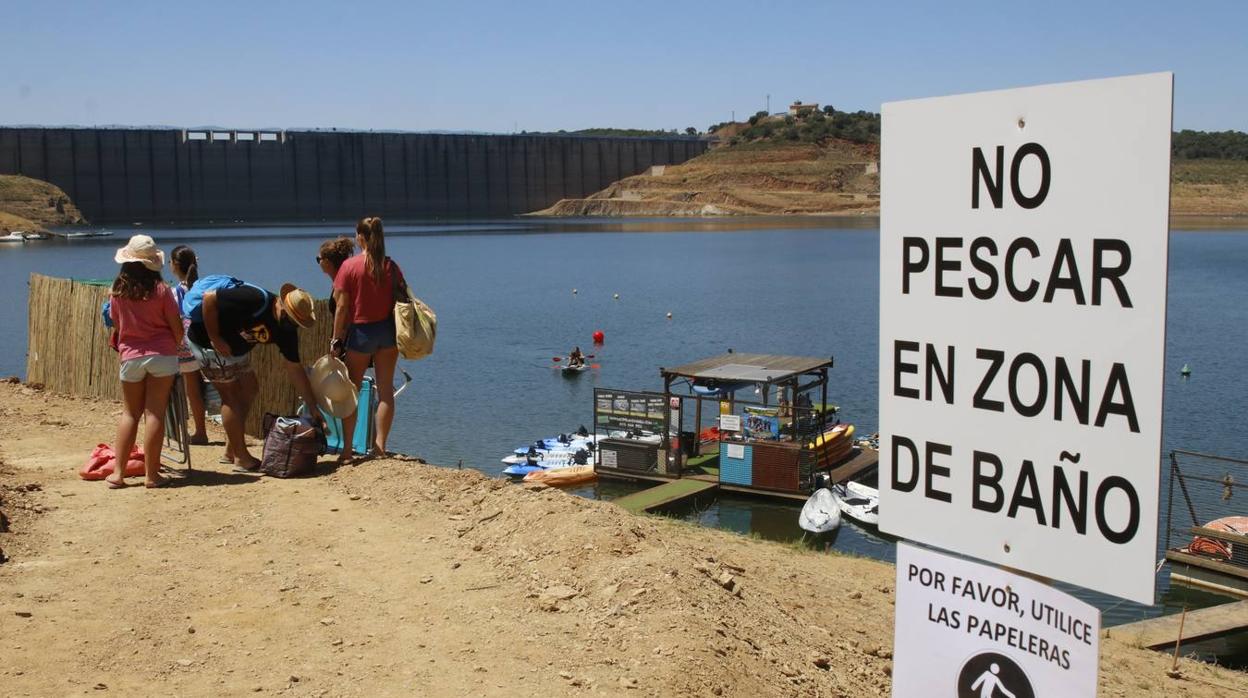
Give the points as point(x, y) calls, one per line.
point(836, 435)
point(563, 477)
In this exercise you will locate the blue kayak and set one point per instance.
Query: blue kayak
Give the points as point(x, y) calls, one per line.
point(521, 469)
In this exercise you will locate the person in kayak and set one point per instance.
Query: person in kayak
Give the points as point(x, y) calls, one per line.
point(576, 359)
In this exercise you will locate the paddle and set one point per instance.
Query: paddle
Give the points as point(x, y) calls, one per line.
point(560, 358)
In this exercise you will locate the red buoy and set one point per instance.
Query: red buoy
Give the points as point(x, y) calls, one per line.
point(598, 336)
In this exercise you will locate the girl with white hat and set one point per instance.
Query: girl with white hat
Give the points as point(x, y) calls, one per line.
point(149, 330)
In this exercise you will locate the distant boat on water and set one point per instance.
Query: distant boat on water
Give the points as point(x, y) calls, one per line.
point(23, 236)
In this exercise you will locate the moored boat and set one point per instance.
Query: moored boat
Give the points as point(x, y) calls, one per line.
point(859, 502)
point(821, 512)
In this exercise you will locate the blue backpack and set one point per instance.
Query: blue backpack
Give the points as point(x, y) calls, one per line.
point(193, 301)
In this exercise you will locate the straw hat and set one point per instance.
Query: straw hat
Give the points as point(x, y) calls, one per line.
point(298, 304)
point(141, 248)
point(335, 393)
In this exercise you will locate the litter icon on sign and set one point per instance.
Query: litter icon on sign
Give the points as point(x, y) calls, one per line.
point(992, 675)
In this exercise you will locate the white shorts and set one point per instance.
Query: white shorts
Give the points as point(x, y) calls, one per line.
point(156, 366)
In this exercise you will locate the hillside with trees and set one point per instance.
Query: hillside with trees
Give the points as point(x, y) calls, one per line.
point(817, 160)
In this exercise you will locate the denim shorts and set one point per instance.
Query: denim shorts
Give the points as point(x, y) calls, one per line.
point(218, 368)
point(156, 366)
point(369, 337)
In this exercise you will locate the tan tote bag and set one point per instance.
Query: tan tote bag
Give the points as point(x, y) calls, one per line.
point(415, 324)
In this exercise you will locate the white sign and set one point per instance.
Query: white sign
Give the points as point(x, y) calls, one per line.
point(736, 451)
point(968, 630)
point(1023, 246)
point(730, 422)
point(609, 459)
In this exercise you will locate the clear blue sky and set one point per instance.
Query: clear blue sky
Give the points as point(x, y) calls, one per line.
point(494, 66)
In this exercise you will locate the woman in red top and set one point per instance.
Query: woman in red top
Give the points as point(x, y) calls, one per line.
point(364, 292)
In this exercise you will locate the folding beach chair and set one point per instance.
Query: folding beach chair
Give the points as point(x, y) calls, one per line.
point(177, 440)
point(366, 419)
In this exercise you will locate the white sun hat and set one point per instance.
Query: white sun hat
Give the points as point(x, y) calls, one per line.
point(142, 249)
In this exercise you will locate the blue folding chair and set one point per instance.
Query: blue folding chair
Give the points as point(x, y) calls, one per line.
point(365, 421)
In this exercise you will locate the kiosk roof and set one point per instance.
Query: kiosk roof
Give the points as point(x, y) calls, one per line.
point(751, 368)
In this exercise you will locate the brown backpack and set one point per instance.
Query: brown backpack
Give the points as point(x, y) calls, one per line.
point(291, 447)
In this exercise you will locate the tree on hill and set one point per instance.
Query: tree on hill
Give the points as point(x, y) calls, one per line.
point(1216, 145)
point(815, 126)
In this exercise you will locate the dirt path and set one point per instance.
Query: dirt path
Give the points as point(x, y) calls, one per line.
point(397, 578)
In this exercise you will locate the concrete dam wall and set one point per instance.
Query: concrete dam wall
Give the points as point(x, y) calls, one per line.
point(170, 175)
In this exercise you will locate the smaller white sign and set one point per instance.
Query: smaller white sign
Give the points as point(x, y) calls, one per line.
point(736, 451)
point(609, 459)
point(730, 422)
point(969, 630)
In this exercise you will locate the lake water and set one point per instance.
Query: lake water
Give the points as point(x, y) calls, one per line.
point(503, 291)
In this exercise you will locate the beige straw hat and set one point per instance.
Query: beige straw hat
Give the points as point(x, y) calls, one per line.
point(335, 393)
point(142, 249)
point(299, 305)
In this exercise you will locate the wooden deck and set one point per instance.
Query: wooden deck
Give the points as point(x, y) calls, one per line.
point(667, 494)
point(1206, 573)
point(866, 458)
point(1202, 624)
point(704, 480)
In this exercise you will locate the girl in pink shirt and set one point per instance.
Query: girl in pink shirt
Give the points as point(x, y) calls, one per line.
point(149, 331)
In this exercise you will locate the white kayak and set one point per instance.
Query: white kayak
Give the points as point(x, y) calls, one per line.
point(552, 462)
point(821, 513)
point(859, 502)
point(557, 443)
point(551, 455)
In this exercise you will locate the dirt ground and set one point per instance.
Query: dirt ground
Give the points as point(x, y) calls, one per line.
point(398, 578)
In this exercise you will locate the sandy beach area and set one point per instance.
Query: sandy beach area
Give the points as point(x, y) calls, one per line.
point(395, 577)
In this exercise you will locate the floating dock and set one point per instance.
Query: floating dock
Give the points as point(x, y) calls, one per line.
point(704, 481)
point(665, 495)
point(1202, 624)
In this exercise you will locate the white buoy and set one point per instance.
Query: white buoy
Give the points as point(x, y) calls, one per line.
point(574, 292)
point(669, 316)
point(617, 296)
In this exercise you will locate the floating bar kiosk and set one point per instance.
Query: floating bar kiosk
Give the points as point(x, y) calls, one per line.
point(753, 423)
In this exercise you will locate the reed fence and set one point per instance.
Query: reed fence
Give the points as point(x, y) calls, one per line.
point(68, 351)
